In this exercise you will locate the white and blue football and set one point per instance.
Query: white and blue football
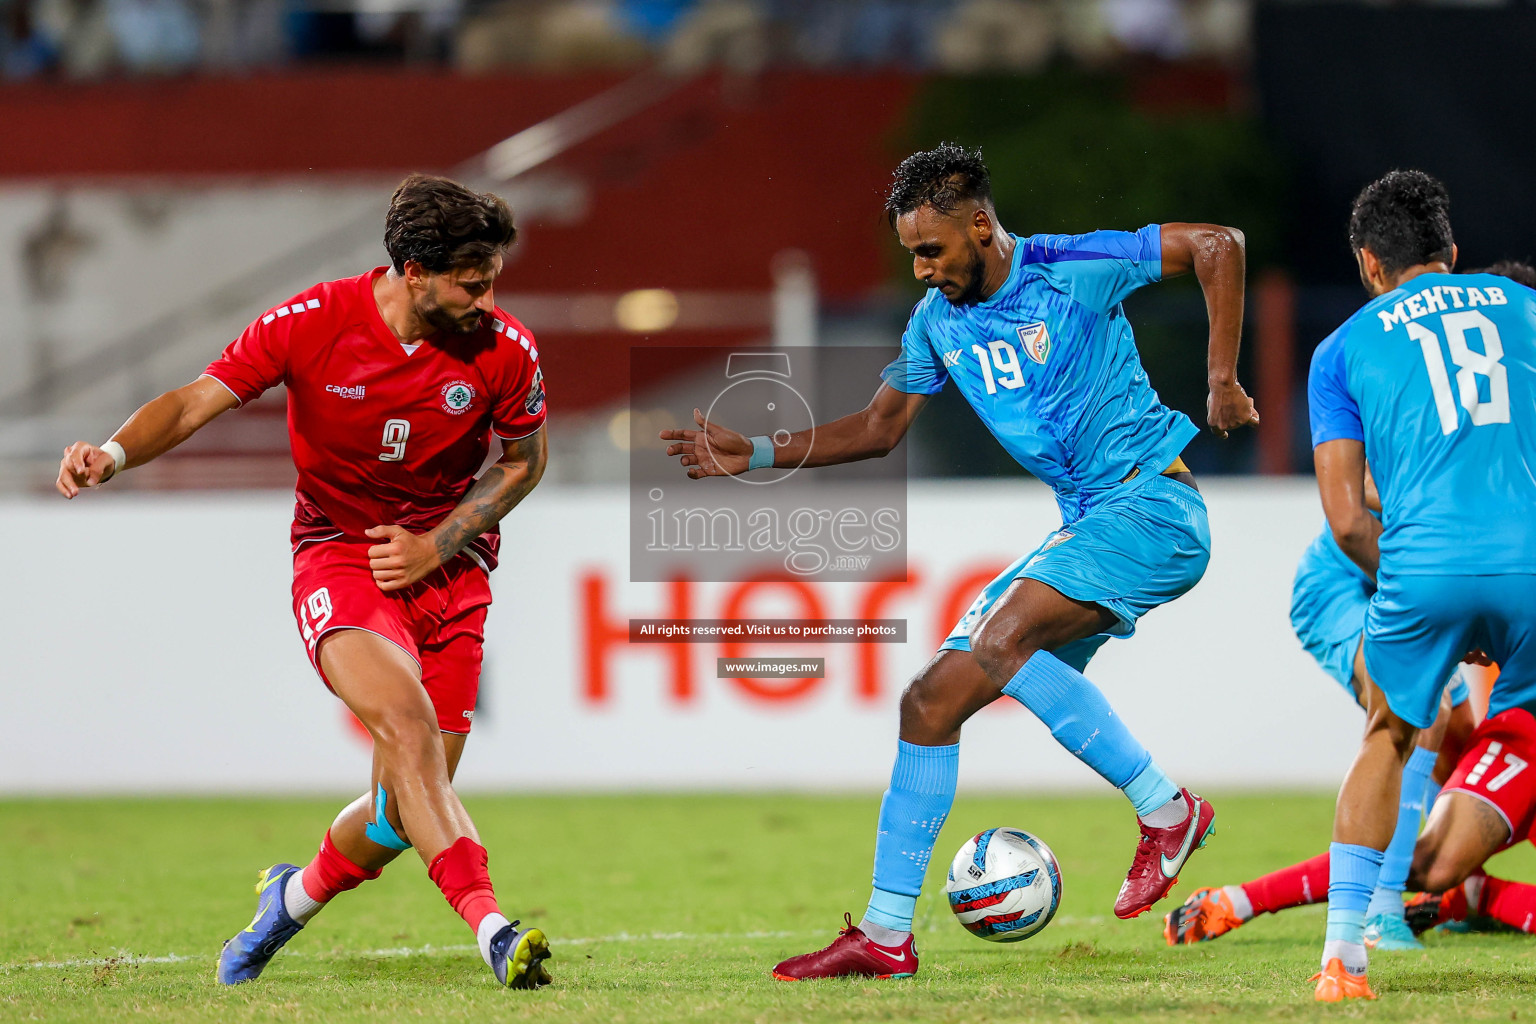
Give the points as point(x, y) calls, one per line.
point(1004, 885)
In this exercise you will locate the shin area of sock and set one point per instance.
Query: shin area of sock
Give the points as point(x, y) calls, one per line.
point(462, 873)
point(333, 872)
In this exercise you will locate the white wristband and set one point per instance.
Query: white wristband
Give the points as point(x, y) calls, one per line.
point(119, 457)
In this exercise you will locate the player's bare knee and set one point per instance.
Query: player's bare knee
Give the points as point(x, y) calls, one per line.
point(999, 652)
point(1382, 720)
point(409, 738)
point(1425, 852)
point(924, 712)
point(1437, 873)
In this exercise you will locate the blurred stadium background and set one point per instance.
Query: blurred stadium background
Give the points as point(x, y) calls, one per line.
point(686, 172)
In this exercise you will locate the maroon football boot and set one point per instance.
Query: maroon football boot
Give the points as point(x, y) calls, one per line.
point(1160, 856)
point(851, 954)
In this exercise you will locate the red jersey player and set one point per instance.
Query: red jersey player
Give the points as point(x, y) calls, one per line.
point(397, 380)
point(1488, 805)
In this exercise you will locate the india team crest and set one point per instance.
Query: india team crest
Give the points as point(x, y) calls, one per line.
point(456, 396)
point(1036, 341)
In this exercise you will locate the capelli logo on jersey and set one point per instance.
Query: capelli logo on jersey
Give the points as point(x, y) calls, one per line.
point(457, 395)
point(952, 358)
point(344, 392)
point(1036, 341)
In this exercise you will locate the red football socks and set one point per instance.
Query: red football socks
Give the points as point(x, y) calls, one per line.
point(332, 872)
point(1295, 886)
point(1511, 903)
point(460, 871)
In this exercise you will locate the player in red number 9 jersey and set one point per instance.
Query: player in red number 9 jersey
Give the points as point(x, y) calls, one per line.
point(397, 381)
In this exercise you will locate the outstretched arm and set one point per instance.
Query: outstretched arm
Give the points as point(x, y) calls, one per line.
point(158, 426)
point(1341, 480)
point(1217, 257)
point(714, 450)
point(404, 557)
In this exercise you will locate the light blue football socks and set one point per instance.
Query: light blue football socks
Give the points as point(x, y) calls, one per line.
point(1387, 899)
point(912, 812)
point(924, 778)
point(1352, 874)
point(1082, 721)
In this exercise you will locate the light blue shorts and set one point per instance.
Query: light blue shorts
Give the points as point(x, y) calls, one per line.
point(1338, 660)
point(1329, 597)
point(1138, 550)
point(1329, 601)
point(1418, 628)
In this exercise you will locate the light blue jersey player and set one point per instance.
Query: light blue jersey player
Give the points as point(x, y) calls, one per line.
point(1433, 381)
point(1330, 598)
point(1031, 332)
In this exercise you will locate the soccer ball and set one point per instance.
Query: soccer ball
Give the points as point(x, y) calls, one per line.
point(1004, 885)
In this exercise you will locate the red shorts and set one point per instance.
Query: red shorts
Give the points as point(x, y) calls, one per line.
point(440, 621)
point(1497, 768)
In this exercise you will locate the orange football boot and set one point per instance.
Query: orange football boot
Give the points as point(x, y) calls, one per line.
point(1335, 984)
point(1207, 914)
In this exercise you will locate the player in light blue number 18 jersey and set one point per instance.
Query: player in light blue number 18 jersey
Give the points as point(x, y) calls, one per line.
point(1031, 332)
point(1434, 382)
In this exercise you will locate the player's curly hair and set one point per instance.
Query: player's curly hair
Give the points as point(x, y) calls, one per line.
point(443, 225)
point(1515, 270)
point(942, 177)
point(1404, 217)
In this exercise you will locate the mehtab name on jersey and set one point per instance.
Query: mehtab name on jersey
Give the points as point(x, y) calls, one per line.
point(1433, 300)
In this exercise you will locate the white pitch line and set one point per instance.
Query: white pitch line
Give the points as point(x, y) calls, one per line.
point(126, 959)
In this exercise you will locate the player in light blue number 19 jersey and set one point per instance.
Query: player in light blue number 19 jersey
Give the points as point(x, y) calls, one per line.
point(1031, 332)
point(1434, 382)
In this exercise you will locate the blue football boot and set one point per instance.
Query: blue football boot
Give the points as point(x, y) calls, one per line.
point(518, 957)
point(1390, 933)
point(244, 956)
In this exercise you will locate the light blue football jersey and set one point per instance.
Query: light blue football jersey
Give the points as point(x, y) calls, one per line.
point(1050, 365)
point(1438, 379)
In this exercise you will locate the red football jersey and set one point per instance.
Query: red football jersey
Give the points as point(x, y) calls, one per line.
point(380, 435)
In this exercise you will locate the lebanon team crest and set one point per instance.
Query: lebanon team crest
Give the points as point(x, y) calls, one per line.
point(456, 396)
point(1036, 341)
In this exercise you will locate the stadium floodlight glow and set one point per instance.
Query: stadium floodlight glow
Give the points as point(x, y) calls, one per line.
point(646, 310)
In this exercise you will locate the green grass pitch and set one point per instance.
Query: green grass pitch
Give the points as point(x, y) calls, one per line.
point(672, 908)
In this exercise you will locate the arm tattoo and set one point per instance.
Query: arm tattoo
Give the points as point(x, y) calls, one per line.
point(491, 497)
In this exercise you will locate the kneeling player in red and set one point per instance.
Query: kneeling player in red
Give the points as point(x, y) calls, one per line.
point(397, 379)
point(1488, 804)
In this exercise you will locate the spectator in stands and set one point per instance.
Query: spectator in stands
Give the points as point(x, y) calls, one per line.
point(869, 32)
point(998, 35)
point(26, 48)
point(728, 33)
point(154, 35)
